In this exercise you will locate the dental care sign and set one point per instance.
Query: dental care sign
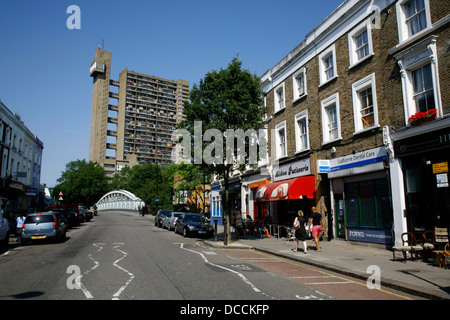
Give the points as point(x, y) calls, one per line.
point(292, 170)
point(352, 160)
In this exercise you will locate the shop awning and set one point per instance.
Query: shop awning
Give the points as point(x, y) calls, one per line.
point(287, 189)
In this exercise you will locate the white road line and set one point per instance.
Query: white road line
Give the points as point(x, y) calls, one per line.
point(221, 267)
point(117, 294)
point(96, 264)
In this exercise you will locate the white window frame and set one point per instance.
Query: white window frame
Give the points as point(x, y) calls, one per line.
point(403, 29)
point(411, 59)
point(295, 86)
point(357, 87)
point(322, 67)
point(279, 152)
point(302, 116)
point(353, 55)
point(277, 105)
point(326, 103)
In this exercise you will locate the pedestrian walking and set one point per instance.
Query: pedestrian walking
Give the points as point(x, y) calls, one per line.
point(315, 220)
point(300, 231)
point(19, 223)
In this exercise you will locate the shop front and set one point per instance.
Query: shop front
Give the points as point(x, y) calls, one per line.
point(359, 189)
point(424, 162)
point(251, 181)
point(292, 190)
point(216, 202)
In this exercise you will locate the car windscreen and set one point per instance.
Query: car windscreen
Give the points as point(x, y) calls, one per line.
point(192, 219)
point(39, 219)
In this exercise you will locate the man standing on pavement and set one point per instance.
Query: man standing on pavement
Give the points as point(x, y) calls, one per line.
point(20, 220)
point(315, 219)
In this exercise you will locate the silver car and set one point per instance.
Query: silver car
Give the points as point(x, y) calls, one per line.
point(170, 220)
point(44, 225)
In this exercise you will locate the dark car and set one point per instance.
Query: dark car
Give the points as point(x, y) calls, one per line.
point(87, 215)
point(160, 216)
point(71, 217)
point(193, 224)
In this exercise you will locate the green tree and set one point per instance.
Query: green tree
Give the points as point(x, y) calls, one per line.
point(192, 177)
point(229, 99)
point(82, 182)
point(152, 183)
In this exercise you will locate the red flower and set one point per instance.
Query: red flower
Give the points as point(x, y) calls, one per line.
point(422, 116)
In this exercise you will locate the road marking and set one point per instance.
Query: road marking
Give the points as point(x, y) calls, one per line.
point(335, 276)
point(96, 264)
point(224, 268)
point(117, 294)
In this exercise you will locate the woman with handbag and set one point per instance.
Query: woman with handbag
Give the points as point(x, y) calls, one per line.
point(300, 231)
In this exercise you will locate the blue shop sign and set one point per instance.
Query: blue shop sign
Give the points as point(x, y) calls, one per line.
point(382, 236)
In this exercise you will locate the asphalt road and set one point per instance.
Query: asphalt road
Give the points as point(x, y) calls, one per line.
point(120, 256)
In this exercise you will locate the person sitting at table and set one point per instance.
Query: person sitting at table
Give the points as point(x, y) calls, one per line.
point(262, 228)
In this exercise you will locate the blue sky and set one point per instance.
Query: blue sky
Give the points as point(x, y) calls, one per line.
point(44, 66)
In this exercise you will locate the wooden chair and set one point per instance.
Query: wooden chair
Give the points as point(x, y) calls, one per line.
point(441, 237)
point(441, 256)
point(428, 240)
point(428, 243)
point(408, 245)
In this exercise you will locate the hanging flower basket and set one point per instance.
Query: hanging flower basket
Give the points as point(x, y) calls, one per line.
point(422, 117)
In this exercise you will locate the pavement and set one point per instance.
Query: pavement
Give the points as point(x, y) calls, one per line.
point(355, 259)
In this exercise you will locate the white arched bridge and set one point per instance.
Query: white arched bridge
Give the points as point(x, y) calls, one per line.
point(120, 200)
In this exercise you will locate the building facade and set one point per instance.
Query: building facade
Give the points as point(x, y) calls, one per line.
point(20, 164)
point(339, 131)
point(132, 119)
point(417, 139)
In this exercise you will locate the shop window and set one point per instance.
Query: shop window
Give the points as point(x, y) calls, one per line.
point(367, 204)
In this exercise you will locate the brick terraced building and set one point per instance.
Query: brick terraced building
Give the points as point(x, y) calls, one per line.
point(340, 109)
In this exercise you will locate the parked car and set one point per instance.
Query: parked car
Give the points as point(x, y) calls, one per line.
point(160, 215)
point(193, 223)
point(4, 231)
point(71, 217)
point(169, 221)
point(86, 214)
point(44, 225)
